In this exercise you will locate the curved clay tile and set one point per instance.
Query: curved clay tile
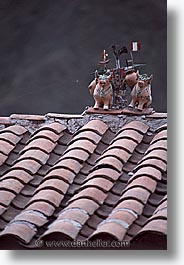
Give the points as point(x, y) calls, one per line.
point(19, 174)
point(55, 184)
point(150, 171)
point(144, 182)
point(161, 128)
point(32, 216)
point(129, 134)
point(49, 195)
point(131, 204)
point(88, 135)
point(86, 145)
point(121, 154)
point(111, 161)
point(68, 163)
point(78, 154)
point(65, 229)
point(157, 146)
point(41, 206)
point(86, 204)
point(159, 154)
point(3, 158)
point(61, 173)
point(55, 127)
point(35, 154)
point(110, 230)
point(16, 129)
point(162, 135)
point(137, 126)
point(76, 214)
point(29, 165)
point(101, 183)
point(22, 230)
point(42, 144)
point(152, 162)
point(47, 134)
point(109, 173)
point(10, 137)
point(90, 193)
point(95, 125)
point(6, 147)
point(137, 193)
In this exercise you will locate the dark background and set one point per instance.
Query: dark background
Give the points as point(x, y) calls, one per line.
point(49, 48)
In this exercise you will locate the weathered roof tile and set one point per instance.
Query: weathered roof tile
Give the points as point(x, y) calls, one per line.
point(91, 184)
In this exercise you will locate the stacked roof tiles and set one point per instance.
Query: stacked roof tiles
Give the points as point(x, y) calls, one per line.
point(91, 186)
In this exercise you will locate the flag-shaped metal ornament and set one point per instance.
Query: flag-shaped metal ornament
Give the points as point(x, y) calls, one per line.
point(135, 46)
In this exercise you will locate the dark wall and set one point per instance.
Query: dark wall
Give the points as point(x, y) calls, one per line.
point(48, 50)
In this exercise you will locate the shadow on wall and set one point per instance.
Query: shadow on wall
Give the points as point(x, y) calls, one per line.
point(49, 50)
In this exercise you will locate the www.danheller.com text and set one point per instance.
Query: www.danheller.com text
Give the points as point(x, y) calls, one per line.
point(81, 244)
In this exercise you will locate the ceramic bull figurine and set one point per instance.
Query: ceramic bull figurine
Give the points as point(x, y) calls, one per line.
point(102, 92)
point(141, 92)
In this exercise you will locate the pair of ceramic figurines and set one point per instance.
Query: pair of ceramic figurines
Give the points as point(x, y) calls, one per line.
point(102, 89)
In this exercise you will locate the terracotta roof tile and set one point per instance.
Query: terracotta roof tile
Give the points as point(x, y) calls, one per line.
point(86, 145)
point(131, 204)
point(160, 154)
point(127, 144)
point(108, 173)
point(87, 185)
point(90, 193)
point(86, 204)
point(122, 154)
point(88, 135)
point(23, 230)
point(157, 146)
point(46, 134)
point(51, 196)
point(35, 217)
point(137, 193)
point(78, 154)
point(112, 230)
point(61, 173)
point(2, 158)
point(129, 134)
point(56, 127)
point(162, 135)
point(19, 174)
point(43, 144)
point(160, 128)
point(5, 147)
point(56, 184)
point(153, 162)
point(94, 221)
point(147, 171)
point(65, 229)
point(101, 183)
point(76, 214)
point(11, 185)
point(111, 161)
point(36, 154)
point(108, 136)
point(42, 206)
point(137, 126)
point(95, 125)
point(143, 181)
point(123, 214)
point(16, 129)
point(157, 225)
point(29, 165)
point(10, 137)
point(70, 164)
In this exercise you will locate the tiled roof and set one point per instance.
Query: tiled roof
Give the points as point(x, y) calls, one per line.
point(88, 185)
